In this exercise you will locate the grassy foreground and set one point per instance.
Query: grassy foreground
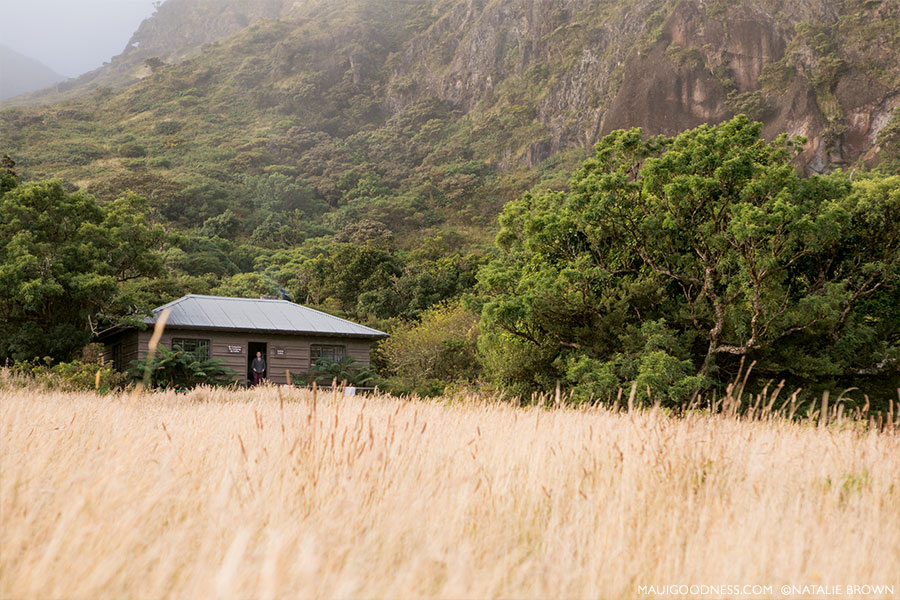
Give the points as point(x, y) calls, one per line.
point(243, 495)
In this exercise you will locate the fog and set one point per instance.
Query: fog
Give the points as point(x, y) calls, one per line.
point(71, 36)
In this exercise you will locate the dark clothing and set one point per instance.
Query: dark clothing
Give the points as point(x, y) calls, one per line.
point(259, 369)
point(258, 365)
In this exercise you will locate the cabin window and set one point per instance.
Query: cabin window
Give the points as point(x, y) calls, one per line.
point(200, 348)
point(328, 352)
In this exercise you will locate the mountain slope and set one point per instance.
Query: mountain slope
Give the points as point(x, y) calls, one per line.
point(20, 74)
point(420, 116)
point(178, 29)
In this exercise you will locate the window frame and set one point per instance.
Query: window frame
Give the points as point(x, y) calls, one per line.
point(317, 349)
point(199, 344)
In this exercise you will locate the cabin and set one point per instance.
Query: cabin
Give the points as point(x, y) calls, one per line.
point(289, 336)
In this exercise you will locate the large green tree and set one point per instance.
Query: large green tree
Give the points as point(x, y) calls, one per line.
point(671, 259)
point(63, 260)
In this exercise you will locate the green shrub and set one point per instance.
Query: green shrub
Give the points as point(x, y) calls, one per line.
point(167, 127)
point(689, 57)
point(441, 347)
point(177, 369)
point(160, 163)
point(132, 150)
point(77, 375)
point(345, 371)
point(777, 76)
point(752, 104)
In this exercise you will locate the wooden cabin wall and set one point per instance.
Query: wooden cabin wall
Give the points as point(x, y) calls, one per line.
point(295, 357)
point(130, 345)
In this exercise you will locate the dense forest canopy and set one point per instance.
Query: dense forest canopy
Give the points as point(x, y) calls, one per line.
point(673, 260)
point(669, 263)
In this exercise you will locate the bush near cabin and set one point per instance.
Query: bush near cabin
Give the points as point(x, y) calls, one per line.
point(345, 371)
point(178, 370)
point(436, 351)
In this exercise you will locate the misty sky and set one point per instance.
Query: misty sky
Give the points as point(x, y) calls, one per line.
point(71, 36)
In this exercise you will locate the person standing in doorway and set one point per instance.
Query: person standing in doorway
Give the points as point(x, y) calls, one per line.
point(259, 368)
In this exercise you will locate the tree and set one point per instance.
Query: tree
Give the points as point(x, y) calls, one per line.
point(8, 177)
point(343, 275)
point(671, 259)
point(137, 298)
point(246, 285)
point(63, 258)
point(279, 193)
point(225, 225)
point(438, 349)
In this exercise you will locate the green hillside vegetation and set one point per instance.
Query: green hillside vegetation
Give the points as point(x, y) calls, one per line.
point(327, 111)
point(271, 174)
point(240, 128)
point(670, 263)
point(355, 157)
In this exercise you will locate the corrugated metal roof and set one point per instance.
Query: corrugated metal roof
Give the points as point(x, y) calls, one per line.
point(216, 312)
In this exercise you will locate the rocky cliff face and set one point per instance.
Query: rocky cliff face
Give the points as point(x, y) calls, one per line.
point(566, 54)
point(817, 80)
point(822, 69)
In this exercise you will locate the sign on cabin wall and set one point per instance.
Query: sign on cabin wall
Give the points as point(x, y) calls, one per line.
point(279, 351)
point(235, 349)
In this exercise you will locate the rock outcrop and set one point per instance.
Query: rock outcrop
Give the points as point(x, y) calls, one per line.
point(826, 70)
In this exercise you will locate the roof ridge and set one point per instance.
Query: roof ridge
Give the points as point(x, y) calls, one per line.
point(238, 298)
point(330, 317)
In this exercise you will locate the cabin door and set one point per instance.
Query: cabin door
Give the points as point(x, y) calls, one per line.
point(252, 349)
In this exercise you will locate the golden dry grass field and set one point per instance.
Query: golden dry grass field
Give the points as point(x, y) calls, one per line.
point(217, 494)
